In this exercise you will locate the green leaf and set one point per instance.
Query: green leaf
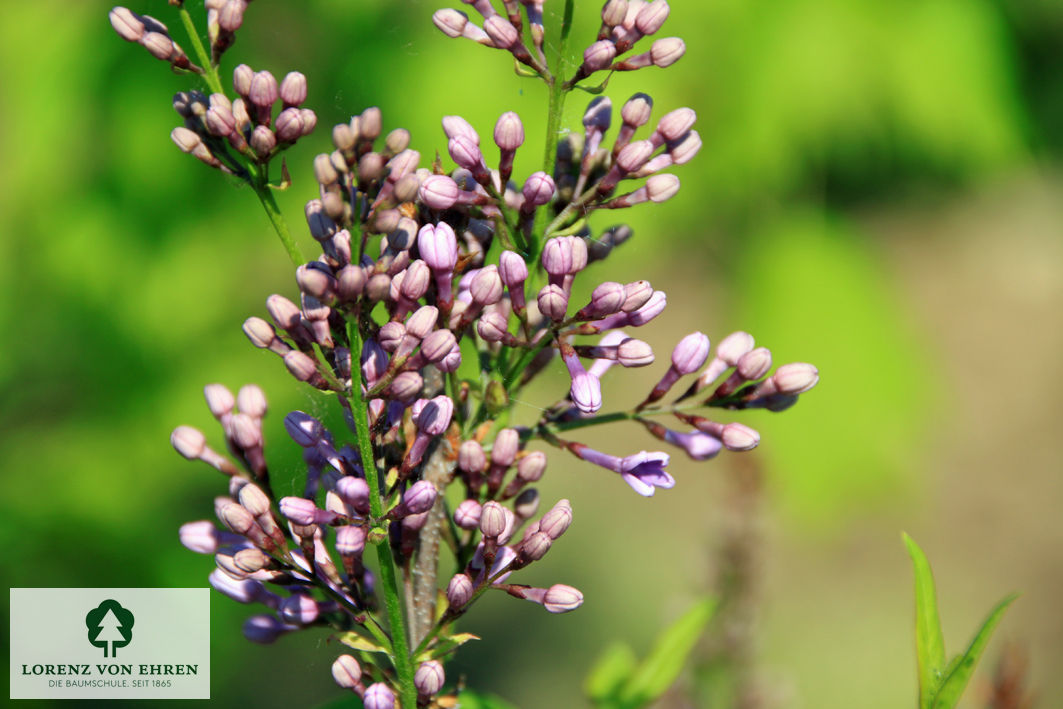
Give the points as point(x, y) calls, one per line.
point(448, 644)
point(660, 669)
point(474, 700)
point(929, 644)
point(606, 678)
point(962, 666)
point(360, 642)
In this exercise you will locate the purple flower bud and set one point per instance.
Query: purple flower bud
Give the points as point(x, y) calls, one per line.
point(299, 609)
point(346, 671)
point(303, 511)
point(391, 335)
point(378, 696)
point(557, 257)
point(557, 520)
point(506, 445)
point(236, 518)
point(304, 429)
point(636, 111)
point(738, 437)
point(459, 590)
point(586, 390)
point(201, 537)
point(293, 89)
point(598, 56)
point(795, 378)
point(562, 599)
point(420, 497)
point(634, 353)
point(455, 126)
point(438, 345)
point(355, 492)
point(126, 24)
point(429, 678)
point(509, 131)
point(492, 326)
point(691, 352)
point(466, 153)
point(241, 591)
point(653, 307)
point(512, 269)
point(538, 190)
point(406, 386)
point(535, 546)
point(159, 45)
point(638, 294)
point(634, 155)
point(734, 346)
point(350, 282)
point(526, 504)
point(651, 17)
point(492, 520)
point(697, 445)
point(264, 91)
point(438, 246)
point(439, 192)
point(369, 123)
point(264, 629)
point(435, 416)
point(450, 22)
point(466, 515)
point(553, 303)
point(754, 364)
point(606, 299)
point(262, 141)
point(666, 52)
point(486, 288)
point(471, 458)
point(531, 467)
point(502, 33)
point(243, 75)
point(673, 125)
point(188, 441)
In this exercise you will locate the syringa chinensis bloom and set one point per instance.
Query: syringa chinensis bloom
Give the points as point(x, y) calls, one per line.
point(442, 289)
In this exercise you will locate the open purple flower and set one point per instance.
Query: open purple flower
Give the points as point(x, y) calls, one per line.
point(643, 471)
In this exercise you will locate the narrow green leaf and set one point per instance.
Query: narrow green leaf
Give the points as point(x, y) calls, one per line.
point(929, 644)
point(962, 666)
point(604, 681)
point(360, 642)
point(660, 669)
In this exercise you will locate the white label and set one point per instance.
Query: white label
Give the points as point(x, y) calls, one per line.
point(110, 643)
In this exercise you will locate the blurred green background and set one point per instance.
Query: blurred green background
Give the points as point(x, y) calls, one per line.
point(879, 193)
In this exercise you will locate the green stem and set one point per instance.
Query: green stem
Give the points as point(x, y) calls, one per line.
point(558, 92)
point(210, 72)
point(388, 579)
point(277, 220)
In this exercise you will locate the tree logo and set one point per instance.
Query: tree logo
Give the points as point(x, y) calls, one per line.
point(109, 624)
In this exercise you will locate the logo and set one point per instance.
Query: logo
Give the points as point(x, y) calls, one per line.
point(110, 625)
point(110, 643)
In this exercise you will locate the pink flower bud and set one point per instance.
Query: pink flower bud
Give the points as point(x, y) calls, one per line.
point(429, 678)
point(598, 56)
point(651, 17)
point(454, 126)
point(378, 696)
point(471, 458)
point(438, 246)
point(263, 91)
point(466, 515)
point(127, 24)
point(634, 353)
point(293, 89)
point(666, 52)
point(738, 437)
point(795, 378)
point(346, 671)
point(754, 364)
point(503, 35)
point(691, 352)
point(553, 303)
point(188, 441)
point(492, 520)
point(538, 190)
point(509, 131)
point(562, 599)
point(450, 22)
point(459, 590)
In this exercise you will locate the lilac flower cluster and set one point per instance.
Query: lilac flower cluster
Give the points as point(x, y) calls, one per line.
point(438, 295)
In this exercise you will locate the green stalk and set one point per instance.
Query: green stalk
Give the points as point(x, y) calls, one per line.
point(388, 579)
point(555, 59)
point(265, 196)
point(210, 72)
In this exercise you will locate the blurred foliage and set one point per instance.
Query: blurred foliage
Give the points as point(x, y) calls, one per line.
point(126, 267)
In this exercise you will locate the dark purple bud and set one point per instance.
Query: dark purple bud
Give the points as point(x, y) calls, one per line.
point(526, 504)
point(299, 609)
point(264, 629)
point(429, 678)
point(346, 671)
point(304, 429)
